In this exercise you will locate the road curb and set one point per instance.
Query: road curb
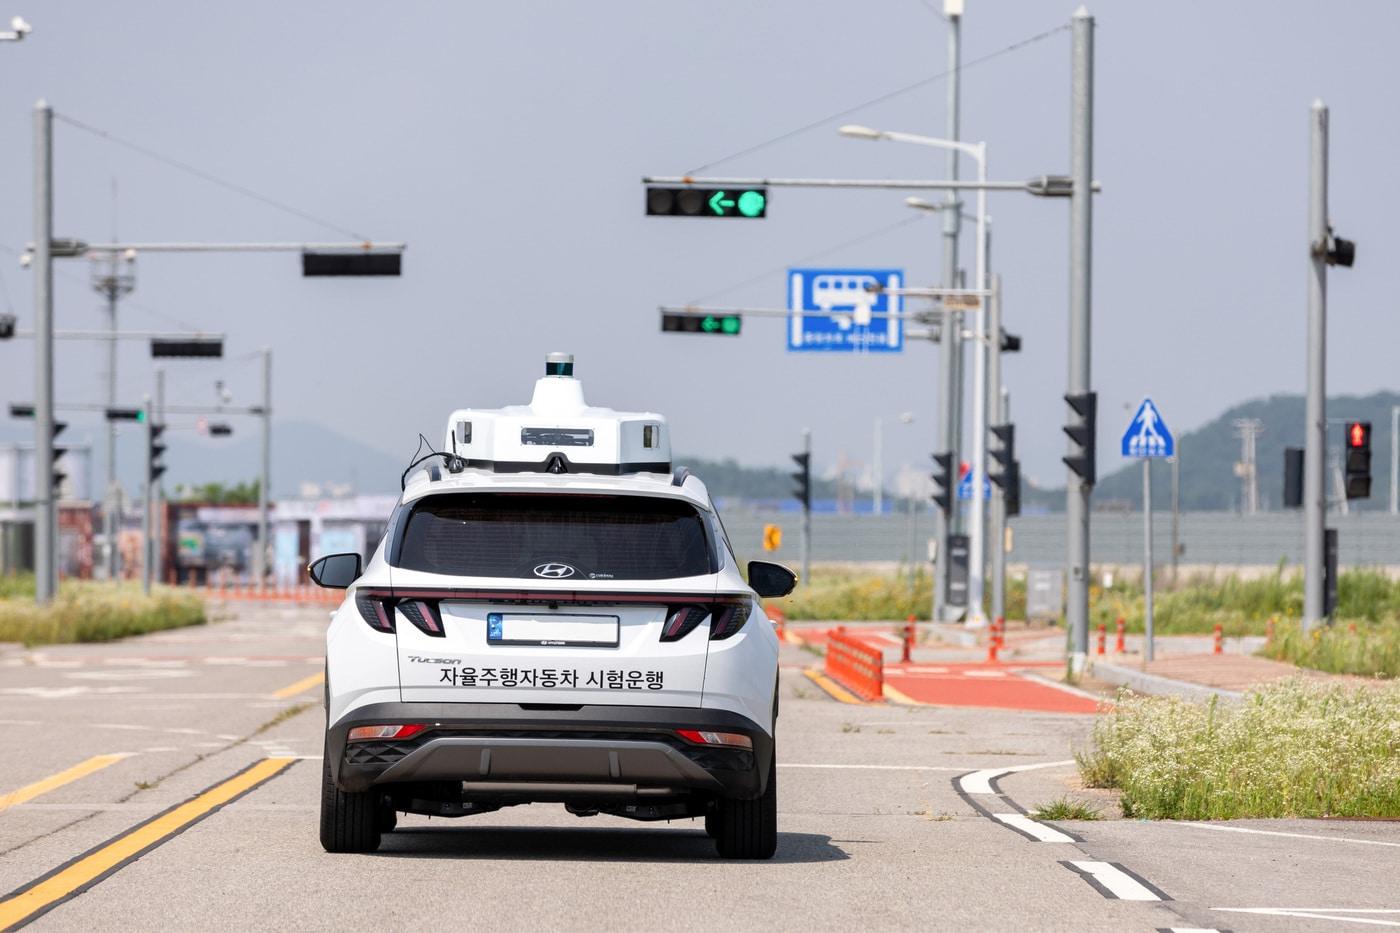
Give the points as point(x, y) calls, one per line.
point(1157, 685)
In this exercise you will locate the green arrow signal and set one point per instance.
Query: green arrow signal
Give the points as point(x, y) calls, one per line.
point(709, 325)
point(719, 203)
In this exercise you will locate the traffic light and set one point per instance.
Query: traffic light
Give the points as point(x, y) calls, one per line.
point(1292, 477)
point(360, 262)
point(1010, 343)
point(943, 481)
point(1006, 472)
point(7, 326)
point(1340, 252)
point(154, 450)
point(193, 346)
point(220, 429)
point(21, 411)
point(698, 323)
point(803, 477)
point(1082, 433)
point(707, 202)
point(1358, 459)
point(126, 414)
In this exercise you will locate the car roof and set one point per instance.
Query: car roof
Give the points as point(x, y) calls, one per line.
point(679, 485)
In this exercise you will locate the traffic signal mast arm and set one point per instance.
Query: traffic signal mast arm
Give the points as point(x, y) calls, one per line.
point(1049, 186)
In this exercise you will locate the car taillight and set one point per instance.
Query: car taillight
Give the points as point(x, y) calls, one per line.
point(705, 737)
point(424, 614)
point(681, 621)
point(377, 611)
point(405, 731)
point(728, 619)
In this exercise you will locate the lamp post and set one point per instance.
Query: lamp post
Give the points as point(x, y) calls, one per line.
point(877, 471)
point(976, 616)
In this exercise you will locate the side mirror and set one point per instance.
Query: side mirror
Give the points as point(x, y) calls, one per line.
point(770, 580)
point(335, 571)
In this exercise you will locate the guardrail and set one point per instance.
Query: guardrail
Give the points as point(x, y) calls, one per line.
point(856, 666)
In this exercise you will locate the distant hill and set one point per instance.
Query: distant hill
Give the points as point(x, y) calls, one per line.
point(1209, 453)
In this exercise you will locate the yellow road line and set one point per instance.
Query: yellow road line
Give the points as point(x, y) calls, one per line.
point(836, 691)
point(899, 696)
point(306, 683)
point(83, 769)
point(92, 867)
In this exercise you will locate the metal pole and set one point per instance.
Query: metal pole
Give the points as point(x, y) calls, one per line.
point(1395, 459)
point(146, 502)
point(876, 470)
point(45, 516)
point(1080, 249)
point(1315, 425)
point(1176, 509)
point(110, 513)
point(1147, 562)
point(157, 494)
point(977, 530)
point(260, 551)
point(951, 344)
point(996, 539)
point(807, 514)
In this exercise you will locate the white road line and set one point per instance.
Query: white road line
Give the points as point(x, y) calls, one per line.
point(1118, 882)
point(979, 782)
point(1318, 913)
point(1025, 824)
point(924, 670)
point(984, 673)
point(788, 764)
point(1275, 832)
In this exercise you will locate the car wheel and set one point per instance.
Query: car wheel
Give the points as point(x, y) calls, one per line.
point(712, 822)
point(349, 822)
point(748, 829)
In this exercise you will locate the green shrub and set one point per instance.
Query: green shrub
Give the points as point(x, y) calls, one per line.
point(1367, 648)
point(1295, 748)
point(87, 611)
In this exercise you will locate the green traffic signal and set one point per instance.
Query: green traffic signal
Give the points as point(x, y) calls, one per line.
point(707, 202)
point(752, 203)
point(695, 323)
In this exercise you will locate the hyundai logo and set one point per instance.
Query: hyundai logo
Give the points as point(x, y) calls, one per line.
point(554, 571)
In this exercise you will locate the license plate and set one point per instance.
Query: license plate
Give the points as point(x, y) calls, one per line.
point(562, 630)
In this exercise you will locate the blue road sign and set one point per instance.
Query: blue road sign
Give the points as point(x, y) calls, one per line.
point(844, 290)
point(965, 487)
point(1147, 434)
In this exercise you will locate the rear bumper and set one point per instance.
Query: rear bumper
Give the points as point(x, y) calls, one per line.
point(502, 748)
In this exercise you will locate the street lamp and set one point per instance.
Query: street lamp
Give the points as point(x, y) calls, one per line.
point(878, 468)
point(977, 527)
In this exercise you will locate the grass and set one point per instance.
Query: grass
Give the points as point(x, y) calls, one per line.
point(1295, 748)
point(852, 596)
point(86, 611)
point(1067, 809)
point(1367, 649)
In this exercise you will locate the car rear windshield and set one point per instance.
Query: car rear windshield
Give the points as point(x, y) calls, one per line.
point(556, 537)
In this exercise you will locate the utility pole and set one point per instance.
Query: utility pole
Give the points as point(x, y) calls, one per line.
point(995, 539)
point(999, 519)
point(1147, 561)
point(1315, 424)
point(157, 494)
point(45, 513)
point(877, 470)
point(1078, 489)
point(1248, 431)
point(1395, 459)
point(949, 429)
point(807, 512)
point(146, 486)
point(1176, 509)
point(260, 551)
point(112, 283)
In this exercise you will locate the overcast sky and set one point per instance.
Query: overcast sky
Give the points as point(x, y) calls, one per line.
point(505, 141)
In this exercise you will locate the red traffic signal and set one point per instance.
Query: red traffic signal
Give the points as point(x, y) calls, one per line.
point(1359, 434)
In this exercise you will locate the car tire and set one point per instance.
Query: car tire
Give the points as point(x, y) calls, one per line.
point(748, 829)
point(712, 822)
point(349, 822)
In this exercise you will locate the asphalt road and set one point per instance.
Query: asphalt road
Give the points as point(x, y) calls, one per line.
point(171, 782)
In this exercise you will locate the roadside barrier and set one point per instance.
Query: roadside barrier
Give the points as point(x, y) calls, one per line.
point(248, 592)
point(1119, 644)
point(1000, 632)
point(1103, 639)
point(993, 642)
point(909, 635)
point(857, 666)
point(1219, 639)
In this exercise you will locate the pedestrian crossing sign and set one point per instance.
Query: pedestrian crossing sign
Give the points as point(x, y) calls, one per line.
point(1147, 434)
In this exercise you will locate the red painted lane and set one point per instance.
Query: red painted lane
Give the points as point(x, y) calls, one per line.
point(998, 686)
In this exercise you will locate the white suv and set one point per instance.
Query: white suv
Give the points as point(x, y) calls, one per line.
point(554, 615)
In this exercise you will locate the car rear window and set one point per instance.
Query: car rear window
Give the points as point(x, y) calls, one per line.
point(556, 537)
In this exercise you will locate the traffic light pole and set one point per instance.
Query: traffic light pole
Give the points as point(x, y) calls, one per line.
point(997, 507)
point(807, 514)
point(158, 493)
point(261, 548)
point(1315, 426)
point(45, 514)
point(146, 502)
point(1078, 489)
point(999, 520)
point(950, 375)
